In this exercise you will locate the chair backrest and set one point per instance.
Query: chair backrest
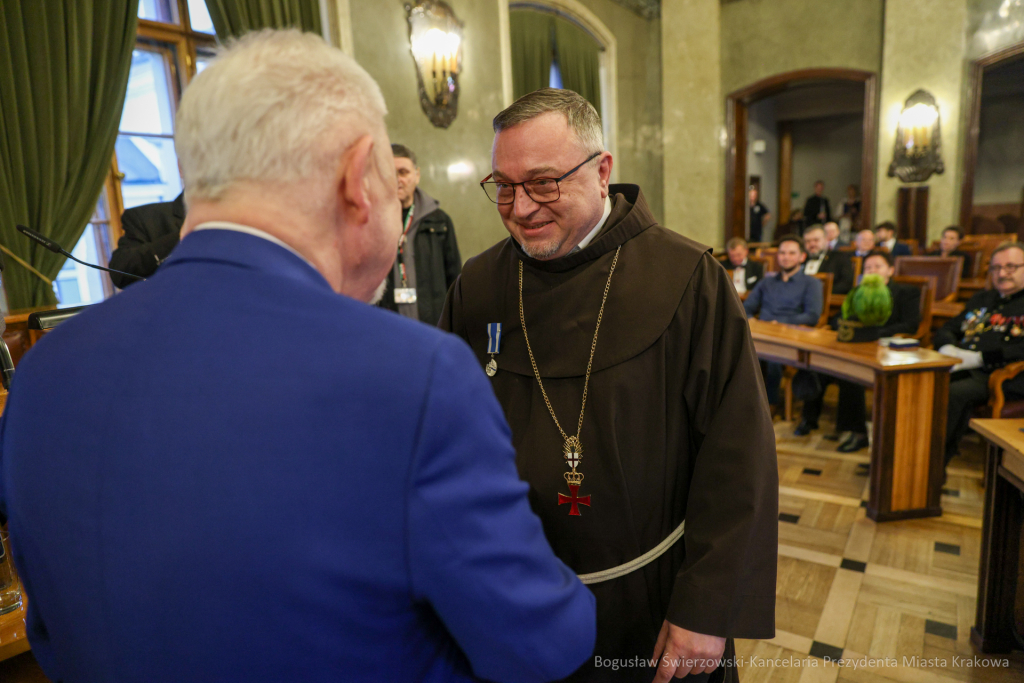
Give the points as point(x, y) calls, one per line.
point(997, 238)
point(945, 269)
point(826, 294)
point(858, 266)
point(927, 287)
point(973, 265)
point(915, 247)
point(767, 257)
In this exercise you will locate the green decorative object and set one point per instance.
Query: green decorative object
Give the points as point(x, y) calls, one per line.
point(868, 305)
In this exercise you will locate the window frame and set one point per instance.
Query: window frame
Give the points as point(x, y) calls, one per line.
point(181, 47)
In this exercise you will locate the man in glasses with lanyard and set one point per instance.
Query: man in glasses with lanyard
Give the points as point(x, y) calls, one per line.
point(623, 361)
point(428, 254)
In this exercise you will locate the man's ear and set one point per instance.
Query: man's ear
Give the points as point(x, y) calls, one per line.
point(604, 171)
point(353, 184)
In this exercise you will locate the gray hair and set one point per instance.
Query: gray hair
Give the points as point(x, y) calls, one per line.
point(580, 114)
point(274, 106)
point(403, 152)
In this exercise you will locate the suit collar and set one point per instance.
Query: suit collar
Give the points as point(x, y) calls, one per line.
point(239, 249)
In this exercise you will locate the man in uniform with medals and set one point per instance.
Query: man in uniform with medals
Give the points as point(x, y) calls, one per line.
point(623, 361)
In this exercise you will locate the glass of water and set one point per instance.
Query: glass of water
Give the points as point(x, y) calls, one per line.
point(10, 589)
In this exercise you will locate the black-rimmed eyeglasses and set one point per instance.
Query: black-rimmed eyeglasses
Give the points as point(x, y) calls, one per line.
point(540, 190)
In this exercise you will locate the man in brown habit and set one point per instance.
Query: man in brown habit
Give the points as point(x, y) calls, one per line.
point(633, 337)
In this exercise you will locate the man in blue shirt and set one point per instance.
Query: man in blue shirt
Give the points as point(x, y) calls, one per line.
point(788, 296)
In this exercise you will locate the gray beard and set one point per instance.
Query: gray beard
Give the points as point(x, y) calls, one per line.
point(544, 253)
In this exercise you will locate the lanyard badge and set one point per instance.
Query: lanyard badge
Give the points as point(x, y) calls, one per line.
point(404, 294)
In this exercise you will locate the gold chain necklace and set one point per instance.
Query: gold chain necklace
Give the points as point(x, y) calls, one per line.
point(573, 450)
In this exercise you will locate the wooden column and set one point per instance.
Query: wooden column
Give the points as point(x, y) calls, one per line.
point(785, 172)
point(912, 213)
point(907, 449)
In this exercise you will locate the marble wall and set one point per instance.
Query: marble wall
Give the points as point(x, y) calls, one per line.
point(762, 38)
point(925, 47)
point(452, 160)
point(639, 149)
point(692, 118)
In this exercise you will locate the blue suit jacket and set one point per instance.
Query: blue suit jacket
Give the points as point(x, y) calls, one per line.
point(231, 473)
point(901, 249)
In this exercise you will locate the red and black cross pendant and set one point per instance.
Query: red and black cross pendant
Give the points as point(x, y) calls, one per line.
point(575, 499)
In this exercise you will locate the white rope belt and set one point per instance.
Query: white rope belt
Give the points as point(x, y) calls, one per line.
point(645, 559)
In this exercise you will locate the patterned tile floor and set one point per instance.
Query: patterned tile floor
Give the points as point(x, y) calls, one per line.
point(894, 601)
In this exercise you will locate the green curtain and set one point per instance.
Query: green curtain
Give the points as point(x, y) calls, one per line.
point(532, 34)
point(63, 75)
point(232, 18)
point(578, 60)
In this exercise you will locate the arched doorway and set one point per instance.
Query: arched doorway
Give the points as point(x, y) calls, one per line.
point(738, 105)
point(996, 86)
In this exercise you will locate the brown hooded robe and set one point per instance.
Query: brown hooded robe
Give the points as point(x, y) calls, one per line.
point(676, 426)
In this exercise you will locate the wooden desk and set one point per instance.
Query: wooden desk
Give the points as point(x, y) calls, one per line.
point(909, 418)
point(1001, 574)
point(12, 632)
point(13, 640)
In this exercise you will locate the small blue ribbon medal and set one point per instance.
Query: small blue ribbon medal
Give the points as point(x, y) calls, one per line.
point(493, 347)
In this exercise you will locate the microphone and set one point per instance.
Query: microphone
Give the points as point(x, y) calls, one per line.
point(49, 244)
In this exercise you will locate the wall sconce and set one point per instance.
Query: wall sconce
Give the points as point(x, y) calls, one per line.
point(917, 153)
point(435, 38)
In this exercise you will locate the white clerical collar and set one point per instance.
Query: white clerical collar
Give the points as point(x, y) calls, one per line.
point(224, 225)
point(597, 228)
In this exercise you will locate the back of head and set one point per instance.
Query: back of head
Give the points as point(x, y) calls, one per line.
point(268, 109)
point(580, 114)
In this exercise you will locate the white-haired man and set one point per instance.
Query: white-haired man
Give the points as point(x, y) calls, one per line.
point(310, 506)
point(645, 404)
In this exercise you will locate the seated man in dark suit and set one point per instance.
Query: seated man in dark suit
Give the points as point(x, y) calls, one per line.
point(745, 273)
point(885, 236)
point(821, 260)
point(339, 503)
point(864, 242)
point(949, 244)
point(151, 233)
point(832, 235)
point(851, 415)
point(986, 336)
point(788, 296)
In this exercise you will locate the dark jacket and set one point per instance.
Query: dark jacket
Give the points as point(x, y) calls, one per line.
point(901, 249)
point(753, 272)
point(436, 254)
point(150, 234)
point(813, 207)
point(956, 252)
point(841, 267)
point(906, 311)
point(989, 324)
